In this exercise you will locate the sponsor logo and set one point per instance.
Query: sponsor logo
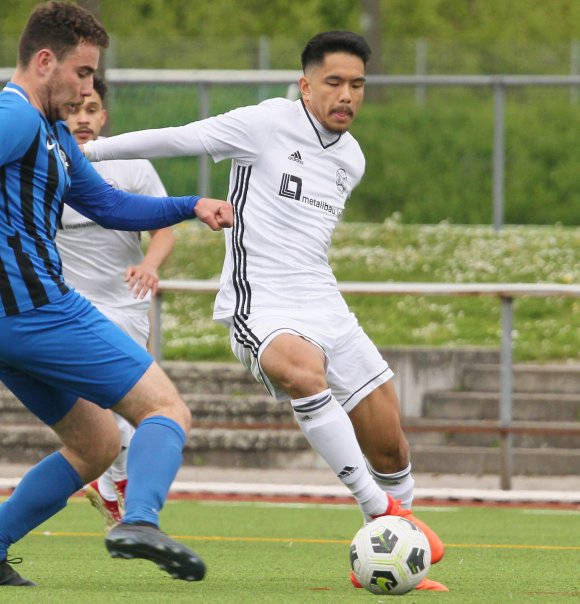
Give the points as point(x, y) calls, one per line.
point(296, 157)
point(321, 205)
point(291, 186)
point(50, 146)
point(341, 180)
point(79, 225)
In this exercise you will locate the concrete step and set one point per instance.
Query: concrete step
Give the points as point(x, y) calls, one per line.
point(486, 460)
point(257, 409)
point(485, 405)
point(287, 449)
point(527, 377)
point(485, 433)
point(26, 443)
point(212, 378)
point(245, 448)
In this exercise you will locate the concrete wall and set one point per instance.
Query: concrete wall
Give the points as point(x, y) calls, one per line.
point(422, 369)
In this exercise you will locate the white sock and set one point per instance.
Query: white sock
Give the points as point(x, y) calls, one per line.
point(400, 485)
point(329, 431)
point(119, 467)
point(106, 487)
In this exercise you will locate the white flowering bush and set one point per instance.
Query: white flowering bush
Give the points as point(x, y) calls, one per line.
point(544, 329)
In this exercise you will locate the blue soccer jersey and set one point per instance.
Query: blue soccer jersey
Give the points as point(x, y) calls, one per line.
point(41, 167)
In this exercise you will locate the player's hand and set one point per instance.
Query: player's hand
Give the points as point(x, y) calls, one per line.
point(142, 279)
point(217, 214)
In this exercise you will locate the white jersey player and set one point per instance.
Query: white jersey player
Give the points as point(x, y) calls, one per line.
point(109, 269)
point(294, 165)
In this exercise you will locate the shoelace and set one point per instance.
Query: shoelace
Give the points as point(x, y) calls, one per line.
point(14, 560)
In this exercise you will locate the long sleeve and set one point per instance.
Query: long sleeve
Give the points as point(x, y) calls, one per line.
point(90, 195)
point(240, 134)
point(148, 144)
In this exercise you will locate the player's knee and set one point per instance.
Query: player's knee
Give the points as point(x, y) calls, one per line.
point(174, 408)
point(303, 381)
point(391, 456)
point(186, 419)
point(98, 452)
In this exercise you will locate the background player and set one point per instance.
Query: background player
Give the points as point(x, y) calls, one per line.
point(294, 165)
point(109, 269)
point(57, 352)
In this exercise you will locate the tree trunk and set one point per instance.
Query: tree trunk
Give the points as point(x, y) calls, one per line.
point(94, 7)
point(371, 25)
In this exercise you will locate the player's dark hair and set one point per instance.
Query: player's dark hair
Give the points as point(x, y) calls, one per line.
point(59, 26)
point(334, 41)
point(100, 87)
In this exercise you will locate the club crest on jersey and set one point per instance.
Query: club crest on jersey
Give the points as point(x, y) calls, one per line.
point(52, 144)
point(63, 158)
point(291, 186)
point(341, 180)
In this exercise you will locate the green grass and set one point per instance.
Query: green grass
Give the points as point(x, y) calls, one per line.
point(283, 553)
point(544, 329)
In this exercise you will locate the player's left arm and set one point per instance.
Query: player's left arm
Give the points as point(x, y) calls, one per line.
point(94, 198)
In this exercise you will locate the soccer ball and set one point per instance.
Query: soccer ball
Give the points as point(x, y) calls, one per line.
point(390, 555)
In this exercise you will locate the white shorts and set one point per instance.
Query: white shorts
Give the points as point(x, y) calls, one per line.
point(134, 324)
point(354, 366)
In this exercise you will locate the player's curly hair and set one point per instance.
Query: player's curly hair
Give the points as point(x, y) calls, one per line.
point(334, 41)
point(59, 26)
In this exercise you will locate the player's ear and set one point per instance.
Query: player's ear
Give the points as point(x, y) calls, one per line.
point(103, 117)
point(44, 60)
point(304, 85)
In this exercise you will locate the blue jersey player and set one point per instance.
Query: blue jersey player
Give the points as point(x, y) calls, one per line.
point(56, 349)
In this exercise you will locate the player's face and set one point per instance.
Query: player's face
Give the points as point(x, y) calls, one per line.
point(86, 120)
point(333, 91)
point(69, 81)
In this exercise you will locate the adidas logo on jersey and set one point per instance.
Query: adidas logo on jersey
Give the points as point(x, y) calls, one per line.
point(296, 157)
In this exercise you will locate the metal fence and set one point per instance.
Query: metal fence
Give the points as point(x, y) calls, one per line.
point(506, 292)
point(206, 79)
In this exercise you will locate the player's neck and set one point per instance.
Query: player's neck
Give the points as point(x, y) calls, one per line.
point(326, 136)
point(21, 79)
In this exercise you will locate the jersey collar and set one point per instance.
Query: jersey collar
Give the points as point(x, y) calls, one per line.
point(320, 131)
point(11, 87)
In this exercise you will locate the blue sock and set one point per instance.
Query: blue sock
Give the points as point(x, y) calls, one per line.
point(155, 455)
point(42, 492)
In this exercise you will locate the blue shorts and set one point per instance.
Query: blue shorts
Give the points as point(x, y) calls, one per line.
point(65, 350)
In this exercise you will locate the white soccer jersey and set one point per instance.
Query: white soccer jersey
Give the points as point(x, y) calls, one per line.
point(288, 183)
point(288, 186)
point(95, 259)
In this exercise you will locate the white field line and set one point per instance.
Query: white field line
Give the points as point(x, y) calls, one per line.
point(298, 490)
